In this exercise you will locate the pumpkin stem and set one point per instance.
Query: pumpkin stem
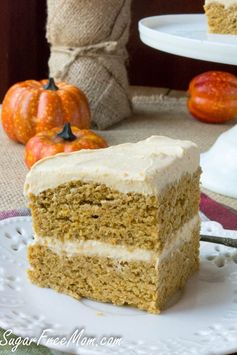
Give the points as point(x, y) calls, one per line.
point(66, 133)
point(51, 85)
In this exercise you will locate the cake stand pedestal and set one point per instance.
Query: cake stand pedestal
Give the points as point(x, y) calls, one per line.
point(187, 35)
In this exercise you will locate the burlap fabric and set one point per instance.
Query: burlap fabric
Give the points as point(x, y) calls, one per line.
point(155, 113)
point(88, 39)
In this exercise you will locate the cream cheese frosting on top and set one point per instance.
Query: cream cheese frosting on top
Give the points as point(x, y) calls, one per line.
point(145, 167)
point(226, 3)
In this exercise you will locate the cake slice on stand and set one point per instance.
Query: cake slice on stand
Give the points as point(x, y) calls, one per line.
point(222, 16)
point(119, 224)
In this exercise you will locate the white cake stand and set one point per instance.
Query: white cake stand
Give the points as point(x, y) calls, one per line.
point(187, 35)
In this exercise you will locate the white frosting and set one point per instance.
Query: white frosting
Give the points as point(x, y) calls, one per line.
point(226, 3)
point(145, 167)
point(101, 249)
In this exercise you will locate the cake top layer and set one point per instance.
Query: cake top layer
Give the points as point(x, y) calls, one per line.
point(226, 3)
point(145, 167)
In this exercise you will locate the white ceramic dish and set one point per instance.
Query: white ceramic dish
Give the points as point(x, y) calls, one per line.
point(186, 35)
point(203, 321)
point(219, 165)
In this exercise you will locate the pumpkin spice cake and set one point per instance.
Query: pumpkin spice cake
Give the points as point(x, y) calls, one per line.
point(118, 224)
point(222, 16)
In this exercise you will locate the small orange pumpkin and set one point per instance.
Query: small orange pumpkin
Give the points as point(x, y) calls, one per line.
point(58, 140)
point(32, 106)
point(213, 97)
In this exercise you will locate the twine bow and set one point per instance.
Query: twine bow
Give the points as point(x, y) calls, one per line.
point(93, 50)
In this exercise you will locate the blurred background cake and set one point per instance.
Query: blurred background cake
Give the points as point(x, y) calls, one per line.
point(222, 16)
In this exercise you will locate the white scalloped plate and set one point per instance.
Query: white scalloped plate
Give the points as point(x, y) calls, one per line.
point(203, 321)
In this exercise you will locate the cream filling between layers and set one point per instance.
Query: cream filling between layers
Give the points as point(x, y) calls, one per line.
point(122, 253)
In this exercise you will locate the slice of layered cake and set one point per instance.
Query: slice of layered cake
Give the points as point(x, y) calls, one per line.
point(222, 16)
point(117, 225)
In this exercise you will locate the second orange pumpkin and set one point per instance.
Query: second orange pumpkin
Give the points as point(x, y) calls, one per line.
point(213, 97)
point(34, 106)
point(58, 140)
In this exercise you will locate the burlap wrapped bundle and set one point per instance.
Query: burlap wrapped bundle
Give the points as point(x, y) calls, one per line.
point(88, 39)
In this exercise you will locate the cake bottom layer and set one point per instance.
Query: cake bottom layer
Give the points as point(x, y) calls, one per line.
point(220, 19)
point(145, 285)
